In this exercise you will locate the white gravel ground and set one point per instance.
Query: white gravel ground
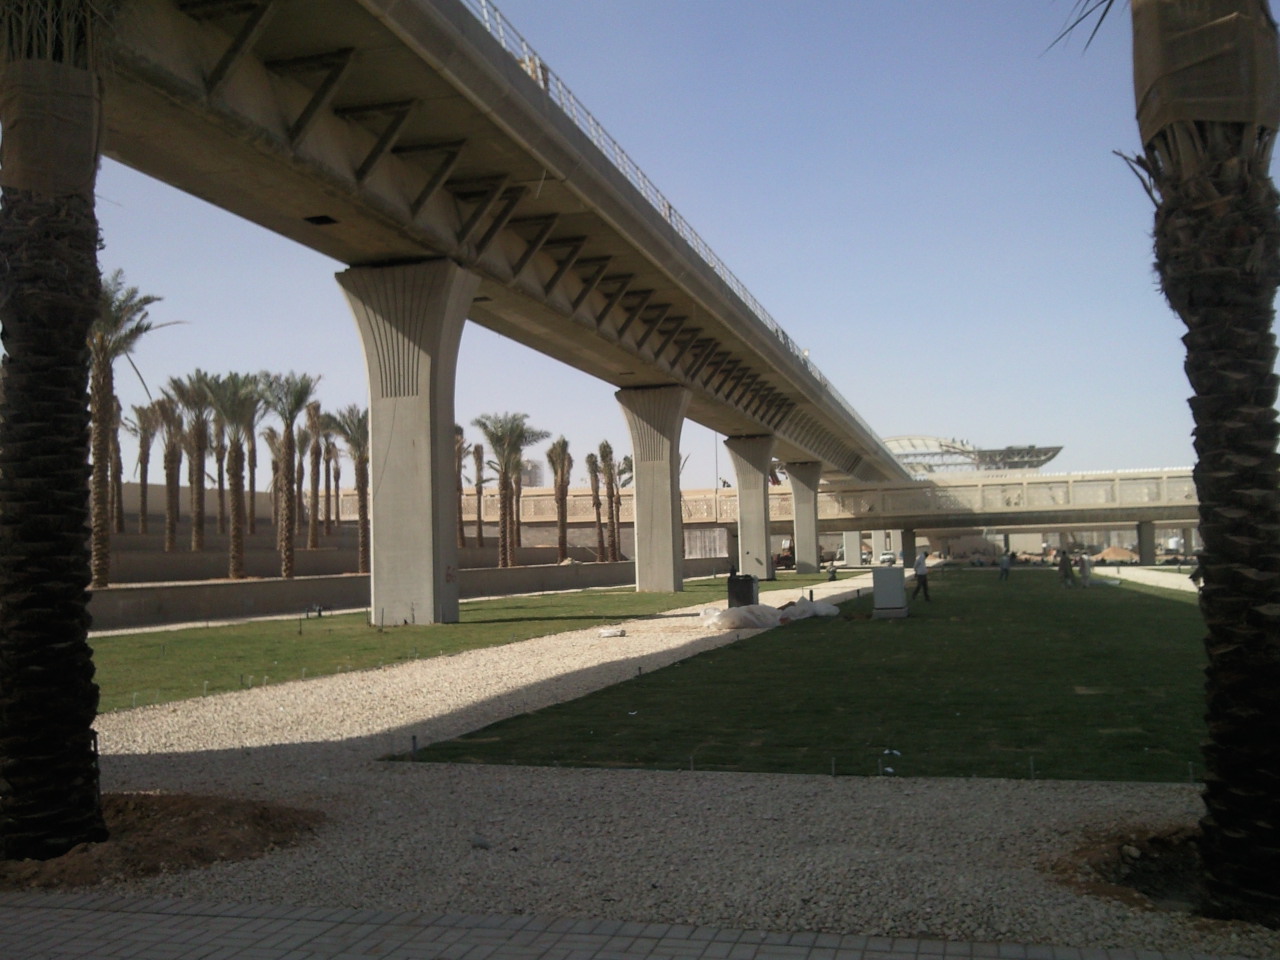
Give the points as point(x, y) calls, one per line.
point(953, 859)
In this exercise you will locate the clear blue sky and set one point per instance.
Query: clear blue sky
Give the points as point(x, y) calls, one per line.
point(921, 192)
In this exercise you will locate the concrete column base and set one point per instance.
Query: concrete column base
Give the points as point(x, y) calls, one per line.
point(410, 319)
point(752, 457)
point(805, 478)
point(655, 416)
point(1146, 543)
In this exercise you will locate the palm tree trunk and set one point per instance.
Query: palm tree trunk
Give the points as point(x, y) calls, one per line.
point(117, 476)
point(1217, 242)
point(101, 393)
point(610, 504)
point(517, 492)
point(328, 497)
point(173, 495)
point(50, 292)
point(337, 494)
point(144, 463)
point(504, 519)
point(235, 483)
point(288, 522)
point(313, 518)
point(195, 477)
point(220, 456)
point(362, 508)
point(601, 554)
point(299, 505)
point(562, 518)
point(477, 454)
point(251, 451)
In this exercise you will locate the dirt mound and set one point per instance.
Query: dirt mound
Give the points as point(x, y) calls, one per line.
point(1148, 869)
point(165, 833)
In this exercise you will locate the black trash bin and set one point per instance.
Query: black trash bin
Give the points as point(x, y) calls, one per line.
point(744, 590)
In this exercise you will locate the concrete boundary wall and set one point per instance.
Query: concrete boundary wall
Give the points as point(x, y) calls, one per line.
point(159, 604)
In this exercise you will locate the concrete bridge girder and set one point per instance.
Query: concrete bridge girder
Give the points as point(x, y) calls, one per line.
point(381, 133)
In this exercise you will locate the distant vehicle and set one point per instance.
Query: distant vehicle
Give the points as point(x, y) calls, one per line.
point(889, 557)
point(865, 556)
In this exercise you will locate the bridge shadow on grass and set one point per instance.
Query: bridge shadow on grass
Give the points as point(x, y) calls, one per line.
point(1018, 680)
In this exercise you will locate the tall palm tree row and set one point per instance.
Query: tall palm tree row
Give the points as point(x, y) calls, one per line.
point(121, 322)
point(336, 459)
point(173, 429)
point(317, 441)
point(218, 446)
point(287, 396)
point(301, 445)
point(477, 459)
point(508, 434)
point(461, 449)
point(561, 462)
point(271, 437)
point(50, 296)
point(331, 457)
point(144, 426)
point(351, 423)
point(191, 393)
point(117, 468)
point(236, 398)
point(609, 473)
point(593, 477)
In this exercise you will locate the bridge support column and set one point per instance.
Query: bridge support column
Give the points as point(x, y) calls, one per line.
point(852, 544)
point(908, 547)
point(1146, 543)
point(751, 458)
point(410, 319)
point(1188, 541)
point(804, 497)
point(655, 416)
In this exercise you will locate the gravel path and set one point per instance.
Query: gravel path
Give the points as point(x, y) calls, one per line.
point(953, 859)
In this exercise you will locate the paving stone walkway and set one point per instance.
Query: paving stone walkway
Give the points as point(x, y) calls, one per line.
point(51, 926)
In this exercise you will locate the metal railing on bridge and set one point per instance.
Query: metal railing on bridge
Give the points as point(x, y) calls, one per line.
point(514, 44)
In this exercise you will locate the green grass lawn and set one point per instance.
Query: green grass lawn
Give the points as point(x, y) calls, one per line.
point(991, 679)
point(148, 668)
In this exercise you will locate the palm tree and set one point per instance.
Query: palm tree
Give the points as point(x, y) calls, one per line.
point(287, 395)
point(461, 450)
point(120, 324)
point(301, 443)
point(146, 423)
point(477, 458)
point(117, 468)
point(192, 395)
point(271, 437)
point(624, 473)
point(331, 455)
point(251, 453)
point(352, 424)
point(218, 438)
point(336, 460)
point(1207, 78)
point(609, 472)
point(313, 518)
point(235, 400)
point(561, 462)
point(508, 434)
point(593, 477)
point(175, 431)
point(50, 296)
